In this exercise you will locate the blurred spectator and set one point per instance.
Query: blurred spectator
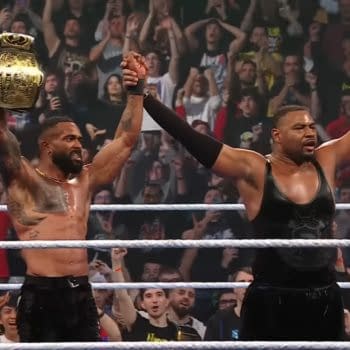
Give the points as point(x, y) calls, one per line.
point(232, 11)
point(162, 85)
point(52, 101)
point(342, 220)
point(181, 303)
point(151, 270)
point(211, 225)
point(169, 274)
point(109, 329)
point(268, 63)
point(335, 83)
point(8, 326)
point(225, 323)
point(341, 125)
point(292, 87)
point(248, 77)
point(201, 96)
point(226, 299)
point(25, 20)
point(84, 12)
point(334, 34)
point(249, 128)
point(118, 8)
point(113, 92)
point(155, 302)
point(101, 124)
point(213, 54)
point(160, 30)
point(108, 53)
point(6, 16)
point(69, 54)
point(105, 224)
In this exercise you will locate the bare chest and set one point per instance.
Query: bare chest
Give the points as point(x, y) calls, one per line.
point(299, 187)
point(30, 206)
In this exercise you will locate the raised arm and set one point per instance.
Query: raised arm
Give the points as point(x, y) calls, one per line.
point(125, 303)
point(109, 161)
point(97, 51)
point(233, 162)
point(227, 161)
point(190, 33)
point(334, 153)
point(50, 36)
point(237, 43)
point(247, 21)
point(147, 25)
point(11, 166)
point(174, 53)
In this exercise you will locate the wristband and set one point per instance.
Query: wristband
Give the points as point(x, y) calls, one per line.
point(118, 269)
point(137, 89)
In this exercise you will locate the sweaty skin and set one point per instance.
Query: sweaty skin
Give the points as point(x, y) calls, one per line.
point(46, 210)
point(45, 203)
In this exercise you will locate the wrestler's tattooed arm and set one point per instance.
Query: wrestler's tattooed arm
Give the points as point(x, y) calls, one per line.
point(109, 161)
point(10, 155)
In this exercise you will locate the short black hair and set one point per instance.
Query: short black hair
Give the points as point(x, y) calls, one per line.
point(213, 21)
point(153, 184)
point(251, 92)
point(50, 123)
point(283, 111)
point(21, 18)
point(248, 61)
point(144, 290)
point(166, 269)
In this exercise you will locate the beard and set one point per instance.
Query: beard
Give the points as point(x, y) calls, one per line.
point(301, 157)
point(181, 311)
point(308, 157)
point(65, 162)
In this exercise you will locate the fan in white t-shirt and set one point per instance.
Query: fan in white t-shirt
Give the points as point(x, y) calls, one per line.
point(3, 339)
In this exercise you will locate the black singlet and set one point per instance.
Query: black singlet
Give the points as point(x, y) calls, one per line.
point(280, 218)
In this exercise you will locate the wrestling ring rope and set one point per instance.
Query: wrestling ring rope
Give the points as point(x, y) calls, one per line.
point(172, 345)
point(238, 243)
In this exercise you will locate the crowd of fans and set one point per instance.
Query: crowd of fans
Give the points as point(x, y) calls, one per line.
point(225, 66)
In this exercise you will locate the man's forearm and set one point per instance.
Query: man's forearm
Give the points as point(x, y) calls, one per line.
point(204, 148)
point(130, 123)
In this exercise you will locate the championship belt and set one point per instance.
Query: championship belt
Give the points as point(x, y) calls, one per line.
point(20, 74)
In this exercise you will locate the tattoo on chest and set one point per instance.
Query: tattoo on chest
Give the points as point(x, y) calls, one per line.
point(18, 213)
point(52, 199)
point(29, 209)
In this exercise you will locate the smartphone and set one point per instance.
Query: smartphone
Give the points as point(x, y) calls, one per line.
point(308, 66)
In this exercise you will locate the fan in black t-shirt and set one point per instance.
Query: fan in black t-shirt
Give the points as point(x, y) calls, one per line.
point(154, 326)
point(225, 324)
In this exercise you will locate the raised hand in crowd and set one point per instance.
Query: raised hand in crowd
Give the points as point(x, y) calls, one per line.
point(216, 7)
point(5, 18)
point(101, 267)
point(117, 257)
